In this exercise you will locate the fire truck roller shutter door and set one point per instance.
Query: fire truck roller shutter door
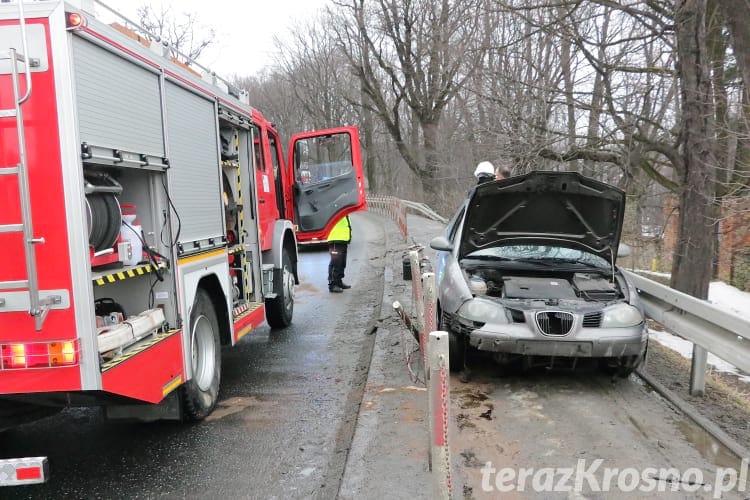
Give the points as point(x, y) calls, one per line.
point(195, 169)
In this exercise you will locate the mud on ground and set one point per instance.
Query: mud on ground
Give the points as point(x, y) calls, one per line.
point(727, 399)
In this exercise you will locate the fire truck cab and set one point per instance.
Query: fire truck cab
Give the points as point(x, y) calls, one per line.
point(147, 217)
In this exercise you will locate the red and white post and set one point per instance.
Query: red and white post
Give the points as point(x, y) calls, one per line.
point(438, 389)
point(418, 298)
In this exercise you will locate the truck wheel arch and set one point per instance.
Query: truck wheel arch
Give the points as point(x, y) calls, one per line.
point(283, 239)
point(210, 283)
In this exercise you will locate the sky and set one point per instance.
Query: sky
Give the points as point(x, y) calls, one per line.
point(244, 28)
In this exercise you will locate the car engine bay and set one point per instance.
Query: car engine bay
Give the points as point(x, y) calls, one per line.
point(574, 290)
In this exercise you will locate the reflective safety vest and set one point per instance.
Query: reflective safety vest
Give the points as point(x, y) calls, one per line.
point(342, 231)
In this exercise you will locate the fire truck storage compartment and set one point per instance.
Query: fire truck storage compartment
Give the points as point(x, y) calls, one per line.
point(139, 291)
point(124, 112)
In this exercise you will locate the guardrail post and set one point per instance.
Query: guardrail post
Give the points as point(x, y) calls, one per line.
point(429, 302)
point(698, 369)
point(438, 390)
point(417, 297)
point(404, 229)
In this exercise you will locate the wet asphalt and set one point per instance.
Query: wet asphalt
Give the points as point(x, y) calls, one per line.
point(284, 423)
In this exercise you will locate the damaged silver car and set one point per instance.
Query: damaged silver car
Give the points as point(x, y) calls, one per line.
point(526, 269)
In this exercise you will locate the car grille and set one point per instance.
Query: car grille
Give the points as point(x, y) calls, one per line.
point(554, 322)
point(592, 320)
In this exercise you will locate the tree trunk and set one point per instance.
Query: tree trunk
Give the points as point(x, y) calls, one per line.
point(369, 143)
point(428, 175)
point(736, 14)
point(691, 267)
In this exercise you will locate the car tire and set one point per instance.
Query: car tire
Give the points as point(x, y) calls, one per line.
point(279, 310)
point(456, 347)
point(201, 393)
point(625, 365)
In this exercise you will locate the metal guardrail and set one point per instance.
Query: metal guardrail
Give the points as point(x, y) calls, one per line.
point(424, 210)
point(708, 327)
point(391, 207)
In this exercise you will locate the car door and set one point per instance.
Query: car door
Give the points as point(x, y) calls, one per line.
point(328, 180)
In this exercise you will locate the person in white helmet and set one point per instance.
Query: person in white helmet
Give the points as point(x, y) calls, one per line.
point(484, 172)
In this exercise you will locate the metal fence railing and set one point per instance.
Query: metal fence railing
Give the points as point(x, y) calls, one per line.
point(392, 208)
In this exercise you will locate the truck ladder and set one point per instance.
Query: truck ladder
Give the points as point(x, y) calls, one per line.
point(37, 307)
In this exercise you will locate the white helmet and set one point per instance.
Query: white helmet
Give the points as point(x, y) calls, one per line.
point(484, 168)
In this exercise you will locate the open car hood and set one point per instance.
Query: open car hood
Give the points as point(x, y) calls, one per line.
point(545, 208)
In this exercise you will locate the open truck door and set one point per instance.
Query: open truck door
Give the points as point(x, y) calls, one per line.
point(328, 182)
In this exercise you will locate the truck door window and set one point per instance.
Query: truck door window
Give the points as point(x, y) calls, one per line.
point(318, 159)
point(274, 156)
point(258, 150)
point(277, 175)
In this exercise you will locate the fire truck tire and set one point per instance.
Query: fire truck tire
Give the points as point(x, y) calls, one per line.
point(200, 393)
point(280, 309)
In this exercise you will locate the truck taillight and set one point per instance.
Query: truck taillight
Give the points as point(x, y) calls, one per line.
point(39, 354)
point(74, 20)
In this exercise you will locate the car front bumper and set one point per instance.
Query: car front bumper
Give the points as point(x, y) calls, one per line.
point(585, 342)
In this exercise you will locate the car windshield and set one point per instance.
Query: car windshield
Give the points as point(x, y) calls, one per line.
point(540, 253)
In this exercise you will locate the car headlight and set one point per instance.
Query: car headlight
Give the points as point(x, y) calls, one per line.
point(621, 316)
point(483, 311)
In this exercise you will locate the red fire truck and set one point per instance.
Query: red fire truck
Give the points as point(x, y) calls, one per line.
point(146, 219)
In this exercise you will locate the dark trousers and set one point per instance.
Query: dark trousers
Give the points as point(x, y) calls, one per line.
point(337, 251)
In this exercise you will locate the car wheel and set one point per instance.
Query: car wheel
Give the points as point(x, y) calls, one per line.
point(622, 366)
point(279, 310)
point(456, 347)
point(201, 392)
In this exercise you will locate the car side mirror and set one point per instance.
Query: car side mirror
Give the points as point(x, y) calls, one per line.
point(623, 250)
point(441, 244)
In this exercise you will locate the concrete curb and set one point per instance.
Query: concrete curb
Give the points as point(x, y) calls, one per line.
point(388, 455)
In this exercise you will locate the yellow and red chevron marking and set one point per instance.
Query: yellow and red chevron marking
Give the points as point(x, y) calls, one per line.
point(250, 318)
point(239, 310)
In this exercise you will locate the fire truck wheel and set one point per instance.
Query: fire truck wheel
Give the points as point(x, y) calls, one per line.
point(199, 394)
point(279, 310)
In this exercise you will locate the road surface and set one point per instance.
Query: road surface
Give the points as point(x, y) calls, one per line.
point(284, 422)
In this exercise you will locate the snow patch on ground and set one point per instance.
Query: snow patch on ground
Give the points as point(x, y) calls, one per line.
point(730, 298)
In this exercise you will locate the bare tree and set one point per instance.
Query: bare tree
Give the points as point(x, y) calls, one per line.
point(651, 95)
point(182, 32)
point(411, 57)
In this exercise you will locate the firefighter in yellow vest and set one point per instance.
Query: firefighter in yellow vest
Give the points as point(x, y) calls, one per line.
point(338, 242)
